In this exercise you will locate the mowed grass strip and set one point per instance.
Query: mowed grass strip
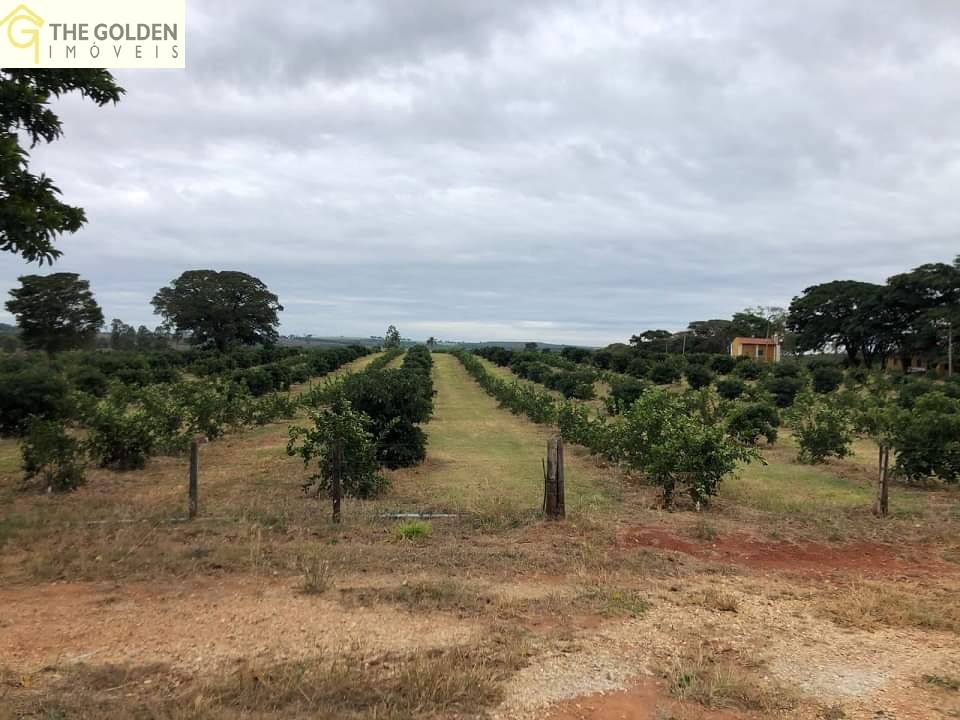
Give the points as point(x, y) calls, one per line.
point(793, 489)
point(481, 457)
point(397, 362)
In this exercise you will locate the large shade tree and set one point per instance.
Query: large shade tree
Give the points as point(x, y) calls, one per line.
point(710, 336)
point(918, 303)
point(220, 308)
point(55, 312)
point(846, 313)
point(32, 215)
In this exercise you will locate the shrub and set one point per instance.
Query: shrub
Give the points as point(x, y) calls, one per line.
point(826, 379)
point(858, 375)
point(401, 444)
point(52, 456)
point(927, 439)
point(783, 389)
point(664, 373)
point(341, 425)
point(730, 388)
point(748, 369)
point(698, 376)
point(913, 388)
point(722, 364)
point(257, 381)
point(823, 429)
point(787, 370)
point(119, 438)
point(674, 447)
point(573, 384)
point(89, 380)
point(384, 395)
point(577, 355)
point(638, 368)
point(31, 392)
point(624, 391)
point(396, 401)
point(270, 408)
point(751, 421)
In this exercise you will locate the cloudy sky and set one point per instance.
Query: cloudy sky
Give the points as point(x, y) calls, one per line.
point(522, 169)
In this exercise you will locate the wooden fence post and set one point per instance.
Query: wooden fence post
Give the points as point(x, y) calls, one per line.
point(881, 505)
point(554, 505)
point(336, 484)
point(192, 495)
point(561, 489)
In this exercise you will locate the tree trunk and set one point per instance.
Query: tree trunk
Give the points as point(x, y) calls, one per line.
point(852, 353)
point(905, 359)
point(882, 505)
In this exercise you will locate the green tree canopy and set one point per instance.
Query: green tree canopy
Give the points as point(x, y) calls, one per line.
point(917, 302)
point(749, 324)
point(31, 214)
point(392, 338)
point(711, 336)
point(55, 312)
point(220, 308)
point(122, 336)
point(845, 312)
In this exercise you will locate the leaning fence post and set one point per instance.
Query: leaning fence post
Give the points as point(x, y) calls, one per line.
point(336, 484)
point(192, 501)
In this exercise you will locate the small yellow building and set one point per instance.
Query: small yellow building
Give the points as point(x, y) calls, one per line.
point(762, 349)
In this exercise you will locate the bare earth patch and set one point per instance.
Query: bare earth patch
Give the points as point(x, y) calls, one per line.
point(866, 559)
point(201, 624)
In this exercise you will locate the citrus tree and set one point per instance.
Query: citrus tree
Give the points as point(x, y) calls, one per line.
point(340, 439)
point(678, 449)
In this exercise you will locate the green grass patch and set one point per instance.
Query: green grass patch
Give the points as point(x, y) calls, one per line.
point(9, 456)
point(793, 489)
point(478, 452)
point(413, 530)
point(787, 488)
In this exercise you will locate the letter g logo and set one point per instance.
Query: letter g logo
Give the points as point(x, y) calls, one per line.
point(23, 30)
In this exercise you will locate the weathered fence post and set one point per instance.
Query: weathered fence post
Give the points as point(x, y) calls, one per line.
point(881, 505)
point(192, 495)
point(554, 505)
point(336, 483)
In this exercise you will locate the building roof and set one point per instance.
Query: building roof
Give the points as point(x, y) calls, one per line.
point(756, 341)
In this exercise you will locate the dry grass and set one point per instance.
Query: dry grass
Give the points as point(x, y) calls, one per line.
point(704, 530)
point(564, 604)
point(714, 599)
point(317, 574)
point(868, 605)
point(945, 682)
point(451, 682)
point(702, 676)
point(444, 596)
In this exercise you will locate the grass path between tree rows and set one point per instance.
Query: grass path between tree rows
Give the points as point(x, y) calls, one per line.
point(481, 458)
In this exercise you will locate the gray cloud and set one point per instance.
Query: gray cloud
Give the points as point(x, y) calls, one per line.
point(560, 171)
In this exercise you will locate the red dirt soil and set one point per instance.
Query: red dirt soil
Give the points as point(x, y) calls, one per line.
point(646, 701)
point(802, 558)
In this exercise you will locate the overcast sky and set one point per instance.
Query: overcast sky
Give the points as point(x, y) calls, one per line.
point(521, 169)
